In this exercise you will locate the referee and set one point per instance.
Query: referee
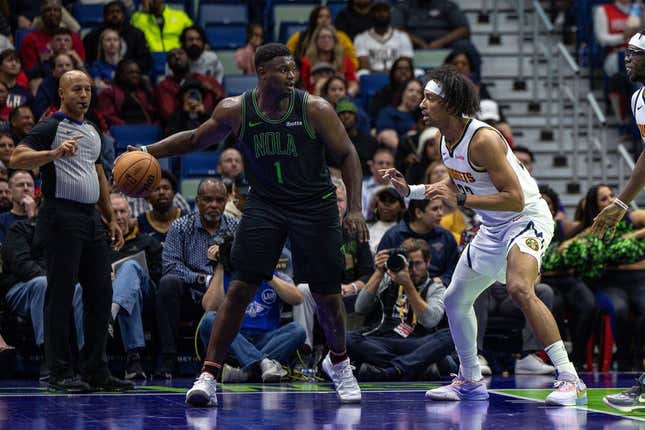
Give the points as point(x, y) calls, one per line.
point(76, 246)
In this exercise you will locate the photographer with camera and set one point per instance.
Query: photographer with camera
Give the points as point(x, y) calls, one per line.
point(187, 271)
point(404, 305)
point(262, 346)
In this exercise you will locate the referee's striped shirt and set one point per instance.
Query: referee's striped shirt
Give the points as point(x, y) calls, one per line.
point(70, 178)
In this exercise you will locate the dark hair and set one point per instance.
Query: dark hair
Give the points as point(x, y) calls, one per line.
point(590, 208)
point(9, 53)
point(120, 69)
point(550, 193)
point(460, 96)
point(412, 244)
point(327, 84)
point(457, 52)
point(383, 148)
point(61, 30)
point(194, 27)
point(305, 36)
point(14, 112)
point(13, 173)
point(413, 206)
point(167, 174)
point(269, 51)
point(250, 28)
point(118, 3)
point(524, 149)
point(396, 64)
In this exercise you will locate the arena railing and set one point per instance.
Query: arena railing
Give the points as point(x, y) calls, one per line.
point(597, 140)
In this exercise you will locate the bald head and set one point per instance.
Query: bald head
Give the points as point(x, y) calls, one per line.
point(75, 91)
point(71, 77)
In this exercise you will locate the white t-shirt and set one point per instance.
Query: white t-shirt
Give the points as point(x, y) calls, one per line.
point(383, 50)
point(208, 64)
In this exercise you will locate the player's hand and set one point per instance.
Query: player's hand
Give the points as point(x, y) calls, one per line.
point(607, 220)
point(355, 224)
point(443, 192)
point(68, 148)
point(116, 235)
point(397, 180)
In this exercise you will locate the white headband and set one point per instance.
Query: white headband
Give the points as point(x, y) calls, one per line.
point(638, 40)
point(435, 88)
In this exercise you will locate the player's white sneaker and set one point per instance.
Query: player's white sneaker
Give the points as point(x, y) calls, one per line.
point(569, 391)
point(341, 374)
point(203, 391)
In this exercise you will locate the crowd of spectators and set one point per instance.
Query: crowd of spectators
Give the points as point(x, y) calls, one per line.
point(174, 272)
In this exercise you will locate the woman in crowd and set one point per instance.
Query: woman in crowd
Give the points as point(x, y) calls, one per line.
point(388, 209)
point(109, 55)
point(453, 220)
point(334, 89)
point(327, 49)
point(390, 95)
point(395, 122)
point(245, 56)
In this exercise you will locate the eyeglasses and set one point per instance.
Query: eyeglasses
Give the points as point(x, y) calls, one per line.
point(629, 52)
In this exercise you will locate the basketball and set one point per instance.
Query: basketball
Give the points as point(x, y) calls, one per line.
point(136, 173)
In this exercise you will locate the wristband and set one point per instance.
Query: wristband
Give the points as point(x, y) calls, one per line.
point(417, 192)
point(461, 199)
point(618, 202)
point(143, 148)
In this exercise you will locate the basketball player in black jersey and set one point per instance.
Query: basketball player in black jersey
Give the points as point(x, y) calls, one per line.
point(283, 134)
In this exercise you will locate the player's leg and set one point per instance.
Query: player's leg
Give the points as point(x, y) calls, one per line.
point(258, 243)
point(466, 285)
point(521, 274)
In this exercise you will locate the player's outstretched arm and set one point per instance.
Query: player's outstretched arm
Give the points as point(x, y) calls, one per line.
point(225, 118)
point(331, 131)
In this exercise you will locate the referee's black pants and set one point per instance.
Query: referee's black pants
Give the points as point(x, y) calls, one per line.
point(76, 250)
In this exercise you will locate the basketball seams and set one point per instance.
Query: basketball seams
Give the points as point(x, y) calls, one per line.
point(136, 170)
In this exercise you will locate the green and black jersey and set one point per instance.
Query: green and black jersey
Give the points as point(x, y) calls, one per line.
point(284, 160)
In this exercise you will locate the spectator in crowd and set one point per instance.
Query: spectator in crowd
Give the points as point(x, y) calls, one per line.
point(394, 123)
point(621, 288)
point(7, 145)
point(355, 18)
point(262, 346)
point(5, 109)
point(434, 24)
point(574, 301)
point(230, 166)
point(18, 94)
point(245, 56)
point(401, 72)
point(61, 43)
point(422, 221)
point(21, 186)
point(462, 60)
point(139, 205)
point(47, 98)
point(21, 120)
point(429, 142)
point(191, 113)
point(67, 21)
point(133, 284)
point(526, 157)
point(382, 159)
point(453, 220)
point(405, 338)
point(202, 60)
point(320, 74)
point(129, 100)
point(108, 57)
point(389, 208)
point(157, 220)
point(168, 89)
point(364, 142)
point(378, 47)
point(38, 41)
point(496, 301)
point(24, 282)
point(187, 271)
point(300, 41)
point(133, 42)
point(611, 32)
point(161, 25)
point(359, 266)
point(5, 196)
point(334, 89)
point(325, 48)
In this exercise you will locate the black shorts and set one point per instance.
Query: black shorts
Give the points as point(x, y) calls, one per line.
point(315, 237)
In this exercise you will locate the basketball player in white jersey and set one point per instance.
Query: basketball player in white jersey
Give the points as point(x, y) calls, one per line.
point(516, 228)
point(633, 399)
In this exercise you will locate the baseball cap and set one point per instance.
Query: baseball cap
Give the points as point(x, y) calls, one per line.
point(322, 67)
point(346, 105)
point(489, 110)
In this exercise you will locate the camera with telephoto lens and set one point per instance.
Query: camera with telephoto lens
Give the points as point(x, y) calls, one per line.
point(225, 243)
point(396, 260)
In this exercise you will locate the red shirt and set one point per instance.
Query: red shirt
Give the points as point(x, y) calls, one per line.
point(169, 103)
point(38, 41)
point(349, 72)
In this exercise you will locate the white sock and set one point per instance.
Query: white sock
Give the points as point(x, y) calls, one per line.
point(558, 355)
point(115, 310)
point(473, 373)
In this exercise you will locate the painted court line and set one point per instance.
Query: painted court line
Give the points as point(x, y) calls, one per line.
point(582, 408)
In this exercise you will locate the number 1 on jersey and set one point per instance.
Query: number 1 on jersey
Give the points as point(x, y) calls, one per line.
point(278, 171)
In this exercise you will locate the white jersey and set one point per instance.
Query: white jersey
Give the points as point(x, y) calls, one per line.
point(473, 180)
point(639, 111)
